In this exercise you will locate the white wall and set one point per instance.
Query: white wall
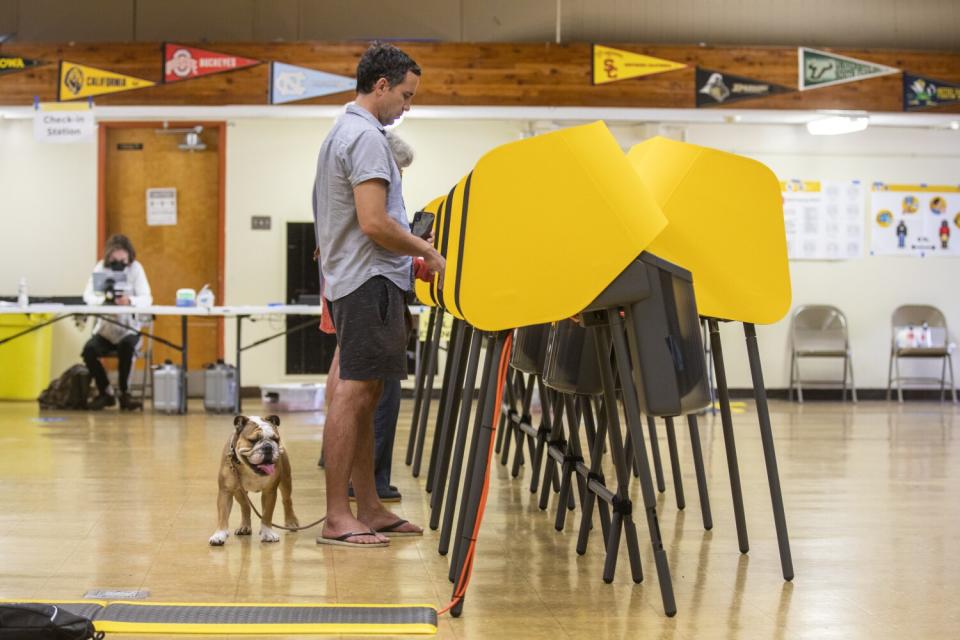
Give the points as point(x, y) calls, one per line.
point(869, 289)
point(48, 212)
point(48, 209)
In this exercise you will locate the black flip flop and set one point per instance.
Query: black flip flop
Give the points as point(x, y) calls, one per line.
point(391, 530)
point(344, 540)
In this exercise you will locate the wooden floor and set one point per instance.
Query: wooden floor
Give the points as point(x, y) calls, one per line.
point(872, 494)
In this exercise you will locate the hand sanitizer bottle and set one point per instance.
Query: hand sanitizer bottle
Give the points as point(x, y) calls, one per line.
point(205, 297)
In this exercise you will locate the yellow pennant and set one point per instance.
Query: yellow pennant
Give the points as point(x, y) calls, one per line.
point(610, 65)
point(81, 81)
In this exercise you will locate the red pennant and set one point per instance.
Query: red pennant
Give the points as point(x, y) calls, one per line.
point(181, 62)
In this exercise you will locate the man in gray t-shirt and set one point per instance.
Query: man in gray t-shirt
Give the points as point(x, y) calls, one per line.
point(365, 247)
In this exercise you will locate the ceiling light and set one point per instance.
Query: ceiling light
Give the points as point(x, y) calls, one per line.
point(955, 125)
point(836, 125)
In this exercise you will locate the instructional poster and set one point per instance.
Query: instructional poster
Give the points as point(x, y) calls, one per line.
point(823, 219)
point(915, 220)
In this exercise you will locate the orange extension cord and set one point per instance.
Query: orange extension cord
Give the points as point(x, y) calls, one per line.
point(464, 579)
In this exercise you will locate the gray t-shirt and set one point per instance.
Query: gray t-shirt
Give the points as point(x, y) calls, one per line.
point(355, 151)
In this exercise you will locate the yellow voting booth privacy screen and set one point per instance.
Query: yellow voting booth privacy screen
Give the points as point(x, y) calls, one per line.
point(421, 288)
point(725, 225)
point(539, 228)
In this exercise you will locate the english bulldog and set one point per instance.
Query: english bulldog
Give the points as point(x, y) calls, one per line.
point(254, 460)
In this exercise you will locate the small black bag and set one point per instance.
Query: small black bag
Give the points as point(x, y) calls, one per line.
point(69, 391)
point(43, 622)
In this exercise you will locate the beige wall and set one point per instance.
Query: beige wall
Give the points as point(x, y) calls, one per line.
point(49, 215)
point(921, 24)
point(48, 209)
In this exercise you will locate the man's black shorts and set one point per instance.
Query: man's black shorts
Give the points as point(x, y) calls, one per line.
point(372, 331)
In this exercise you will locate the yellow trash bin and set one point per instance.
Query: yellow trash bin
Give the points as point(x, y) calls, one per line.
point(25, 361)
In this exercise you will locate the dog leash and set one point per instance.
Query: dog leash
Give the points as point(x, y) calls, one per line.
point(236, 472)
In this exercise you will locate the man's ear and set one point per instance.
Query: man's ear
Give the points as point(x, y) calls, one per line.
point(239, 421)
point(274, 420)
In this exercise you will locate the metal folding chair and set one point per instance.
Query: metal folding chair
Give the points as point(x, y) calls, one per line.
point(916, 316)
point(820, 331)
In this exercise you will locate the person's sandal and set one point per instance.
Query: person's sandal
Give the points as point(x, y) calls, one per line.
point(344, 540)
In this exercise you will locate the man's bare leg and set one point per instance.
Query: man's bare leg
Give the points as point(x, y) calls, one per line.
point(370, 510)
point(349, 422)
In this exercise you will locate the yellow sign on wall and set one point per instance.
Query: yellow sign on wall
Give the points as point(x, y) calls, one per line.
point(81, 81)
point(611, 65)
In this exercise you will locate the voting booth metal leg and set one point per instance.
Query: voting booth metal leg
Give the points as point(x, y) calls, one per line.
point(595, 483)
point(456, 464)
point(507, 411)
point(551, 476)
point(705, 512)
point(446, 385)
point(632, 409)
point(419, 393)
point(655, 453)
point(620, 502)
point(726, 418)
point(572, 456)
point(523, 417)
point(478, 462)
point(449, 395)
point(769, 453)
point(421, 427)
point(543, 435)
point(469, 356)
point(447, 410)
point(675, 464)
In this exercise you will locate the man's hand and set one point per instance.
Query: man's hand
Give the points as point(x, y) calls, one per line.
point(435, 264)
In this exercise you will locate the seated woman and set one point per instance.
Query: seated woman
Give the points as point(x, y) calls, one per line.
point(118, 336)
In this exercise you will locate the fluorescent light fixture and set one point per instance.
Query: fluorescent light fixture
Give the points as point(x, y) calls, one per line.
point(836, 125)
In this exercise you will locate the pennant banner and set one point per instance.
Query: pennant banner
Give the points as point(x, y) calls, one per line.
point(823, 69)
point(12, 64)
point(611, 65)
point(920, 92)
point(289, 83)
point(715, 87)
point(181, 62)
point(81, 81)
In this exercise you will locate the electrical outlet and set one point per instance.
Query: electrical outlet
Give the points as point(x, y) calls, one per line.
point(260, 223)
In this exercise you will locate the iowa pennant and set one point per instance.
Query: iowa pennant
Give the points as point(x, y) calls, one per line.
point(289, 83)
point(181, 62)
point(920, 92)
point(11, 64)
point(716, 87)
point(611, 65)
point(824, 69)
point(81, 81)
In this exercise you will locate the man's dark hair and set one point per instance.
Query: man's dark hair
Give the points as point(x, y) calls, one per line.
point(382, 60)
point(119, 241)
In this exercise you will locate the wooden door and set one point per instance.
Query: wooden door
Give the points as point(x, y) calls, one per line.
point(188, 254)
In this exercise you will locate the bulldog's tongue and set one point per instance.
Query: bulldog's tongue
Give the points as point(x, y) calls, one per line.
point(267, 468)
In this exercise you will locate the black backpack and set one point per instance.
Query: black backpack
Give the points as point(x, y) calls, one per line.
point(69, 391)
point(43, 622)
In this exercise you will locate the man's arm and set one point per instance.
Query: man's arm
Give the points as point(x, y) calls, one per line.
point(371, 199)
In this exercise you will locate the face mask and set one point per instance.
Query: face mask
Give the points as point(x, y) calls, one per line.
point(116, 265)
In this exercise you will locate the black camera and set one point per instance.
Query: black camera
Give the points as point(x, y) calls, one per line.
point(110, 291)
